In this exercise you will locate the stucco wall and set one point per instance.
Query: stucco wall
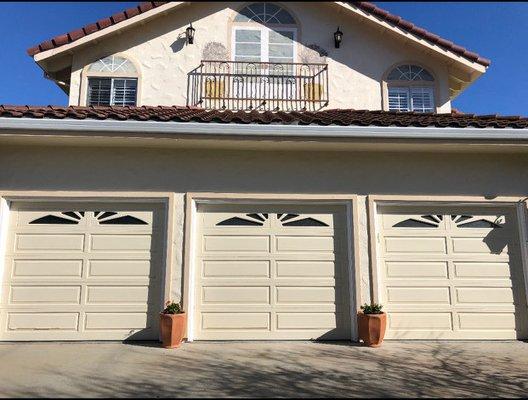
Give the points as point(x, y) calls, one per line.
point(355, 70)
point(181, 171)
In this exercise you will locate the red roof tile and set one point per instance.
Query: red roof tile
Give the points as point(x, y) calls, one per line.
point(371, 8)
point(343, 117)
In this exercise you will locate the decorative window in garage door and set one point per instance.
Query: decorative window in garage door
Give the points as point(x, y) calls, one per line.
point(74, 217)
point(259, 219)
point(460, 221)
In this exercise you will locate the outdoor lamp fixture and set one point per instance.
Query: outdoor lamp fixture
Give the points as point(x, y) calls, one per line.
point(338, 37)
point(189, 33)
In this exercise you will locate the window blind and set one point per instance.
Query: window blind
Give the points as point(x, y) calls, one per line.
point(414, 98)
point(112, 91)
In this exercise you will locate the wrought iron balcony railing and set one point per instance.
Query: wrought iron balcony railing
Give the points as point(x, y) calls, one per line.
point(236, 85)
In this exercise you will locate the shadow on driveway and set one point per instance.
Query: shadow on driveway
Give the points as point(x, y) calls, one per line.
point(264, 369)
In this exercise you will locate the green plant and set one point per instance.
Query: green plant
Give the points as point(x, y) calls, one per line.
point(373, 308)
point(172, 308)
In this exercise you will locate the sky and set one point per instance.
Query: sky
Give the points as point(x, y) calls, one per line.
point(495, 30)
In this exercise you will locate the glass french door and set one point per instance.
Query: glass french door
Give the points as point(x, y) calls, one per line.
point(255, 45)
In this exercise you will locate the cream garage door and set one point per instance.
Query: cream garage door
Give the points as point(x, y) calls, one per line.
point(81, 272)
point(451, 273)
point(271, 272)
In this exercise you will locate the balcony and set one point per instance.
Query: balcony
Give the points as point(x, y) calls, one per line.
point(262, 86)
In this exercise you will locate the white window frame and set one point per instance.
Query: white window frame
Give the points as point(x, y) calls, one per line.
point(264, 39)
point(112, 92)
point(408, 89)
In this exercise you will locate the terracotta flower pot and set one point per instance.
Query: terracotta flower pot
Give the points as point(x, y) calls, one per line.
point(172, 328)
point(371, 328)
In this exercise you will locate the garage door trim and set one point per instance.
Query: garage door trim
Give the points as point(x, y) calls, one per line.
point(193, 200)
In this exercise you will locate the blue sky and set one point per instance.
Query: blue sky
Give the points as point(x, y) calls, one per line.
point(496, 30)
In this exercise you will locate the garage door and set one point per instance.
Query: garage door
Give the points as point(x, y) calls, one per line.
point(81, 272)
point(266, 272)
point(451, 273)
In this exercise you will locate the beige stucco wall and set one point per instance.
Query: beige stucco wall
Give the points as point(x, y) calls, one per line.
point(186, 170)
point(355, 70)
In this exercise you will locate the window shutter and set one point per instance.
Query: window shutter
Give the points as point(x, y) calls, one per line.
point(422, 99)
point(398, 99)
point(99, 91)
point(124, 92)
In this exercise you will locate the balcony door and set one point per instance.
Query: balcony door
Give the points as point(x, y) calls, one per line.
point(264, 44)
point(253, 46)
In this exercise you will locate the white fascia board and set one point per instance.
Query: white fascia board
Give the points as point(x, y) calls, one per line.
point(86, 127)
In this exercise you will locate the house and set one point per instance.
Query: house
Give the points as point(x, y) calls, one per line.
point(273, 166)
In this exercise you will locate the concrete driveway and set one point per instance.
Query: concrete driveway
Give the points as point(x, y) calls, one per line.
point(263, 369)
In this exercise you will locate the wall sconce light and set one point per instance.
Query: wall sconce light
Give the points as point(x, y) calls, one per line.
point(338, 37)
point(189, 33)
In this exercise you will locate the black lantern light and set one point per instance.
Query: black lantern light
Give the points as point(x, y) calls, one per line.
point(189, 32)
point(338, 37)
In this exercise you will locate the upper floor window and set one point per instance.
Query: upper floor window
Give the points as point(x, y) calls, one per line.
point(112, 81)
point(410, 88)
point(270, 39)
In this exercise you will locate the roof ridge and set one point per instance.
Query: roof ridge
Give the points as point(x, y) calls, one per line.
point(369, 7)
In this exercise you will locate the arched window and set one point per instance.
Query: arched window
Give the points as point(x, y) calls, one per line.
point(410, 88)
point(112, 81)
point(265, 13)
point(264, 32)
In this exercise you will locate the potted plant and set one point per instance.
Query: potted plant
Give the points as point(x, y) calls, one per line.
point(172, 325)
point(372, 323)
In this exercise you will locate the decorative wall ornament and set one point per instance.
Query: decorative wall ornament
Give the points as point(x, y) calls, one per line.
point(102, 217)
point(259, 219)
point(215, 51)
point(312, 53)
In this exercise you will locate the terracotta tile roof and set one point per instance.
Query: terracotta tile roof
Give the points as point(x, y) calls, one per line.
point(369, 7)
point(343, 117)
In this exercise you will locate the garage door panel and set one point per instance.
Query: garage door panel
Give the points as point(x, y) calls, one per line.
point(416, 269)
point(415, 245)
point(120, 242)
point(236, 269)
point(45, 294)
point(304, 243)
point(235, 321)
point(484, 295)
point(482, 270)
point(492, 321)
point(117, 294)
point(39, 268)
point(431, 295)
point(305, 295)
point(42, 321)
point(236, 243)
point(235, 295)
point(457, 293)
point(48, 243)
point(420, 321)
point(308, 268)
point(478, 246)
point(121, 268)
point(121, 320)
point(316, 321)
